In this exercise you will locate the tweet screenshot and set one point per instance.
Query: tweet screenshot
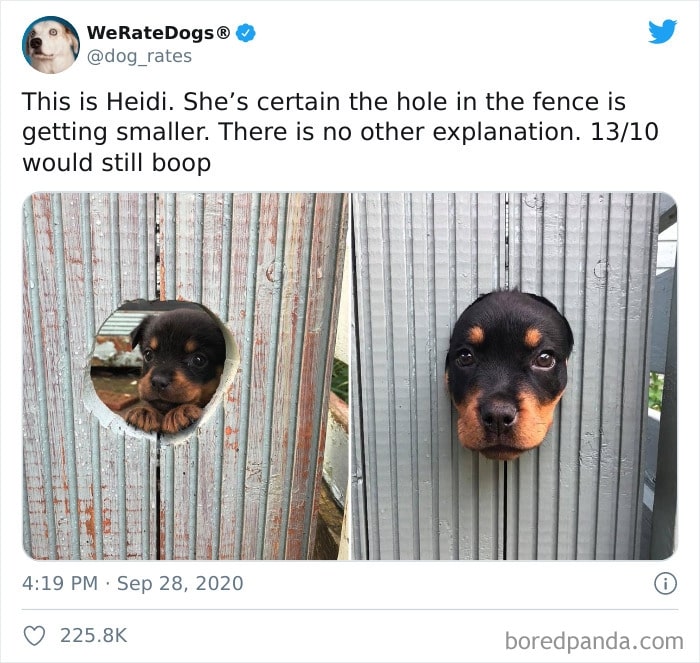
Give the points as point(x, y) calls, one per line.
point(349, 332)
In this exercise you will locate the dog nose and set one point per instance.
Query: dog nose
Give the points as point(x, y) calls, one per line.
point(498, 416)
point(160, 381)
point(35, 42)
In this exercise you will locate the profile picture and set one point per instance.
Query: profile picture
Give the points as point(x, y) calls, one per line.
point(50, 45)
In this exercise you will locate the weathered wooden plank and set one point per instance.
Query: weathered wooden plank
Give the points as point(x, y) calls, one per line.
point(326, 258)
point(298, 218)
point(52, 366)
point(239, 321)
point(37, 463)
point(259, 331)
point(78, 336)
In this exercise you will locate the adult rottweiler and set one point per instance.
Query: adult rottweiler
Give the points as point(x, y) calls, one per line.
point(506, 371)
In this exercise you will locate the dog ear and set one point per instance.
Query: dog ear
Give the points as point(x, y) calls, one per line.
point(541, 300)
point(569, 333)
point(73, 41)
point(138, 332)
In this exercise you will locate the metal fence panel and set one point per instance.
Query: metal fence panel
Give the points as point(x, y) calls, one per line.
point(579, 496)
point(90, 488)
point(420, 259)
point(423, 499)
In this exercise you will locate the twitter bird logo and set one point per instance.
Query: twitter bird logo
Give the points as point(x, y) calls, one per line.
point(662, 33)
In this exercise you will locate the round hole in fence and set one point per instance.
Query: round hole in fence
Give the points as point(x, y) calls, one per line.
point(158, 367)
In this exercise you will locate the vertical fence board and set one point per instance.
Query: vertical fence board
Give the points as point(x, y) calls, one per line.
point(264, 334)
point(644, 228)
point(553, 286)
point(50, 368)
point(233, 462)
point(619, 517)
point(37, 455)
point(570, 428)
point(216, 440)
point(368, 268)
point(488, 475)
point(80, 343)
point(297, 216)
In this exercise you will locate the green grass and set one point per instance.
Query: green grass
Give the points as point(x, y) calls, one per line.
point(339, 379)
point(656, 390)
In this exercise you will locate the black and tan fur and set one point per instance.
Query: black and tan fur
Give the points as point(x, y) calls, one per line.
point(183, 358)
point(506, 370)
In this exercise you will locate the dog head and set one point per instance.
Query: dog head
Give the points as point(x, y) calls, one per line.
point(506, 371)
point(51, 47)
point(183, 358)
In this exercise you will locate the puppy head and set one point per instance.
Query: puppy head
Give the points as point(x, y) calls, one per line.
point(183, 358)
point(51, 46)
point(506, 371)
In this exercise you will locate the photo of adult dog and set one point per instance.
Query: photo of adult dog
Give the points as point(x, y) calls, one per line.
point(51, 46)
point(506, 371)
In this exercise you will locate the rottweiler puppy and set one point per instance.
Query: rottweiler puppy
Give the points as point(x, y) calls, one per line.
point(183, 358)
point(506, 371)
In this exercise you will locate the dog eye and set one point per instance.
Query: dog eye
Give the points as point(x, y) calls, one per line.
point(148, 354)
point(199, 360)
point(545, 360)
point(464, 359)
point(53, 32)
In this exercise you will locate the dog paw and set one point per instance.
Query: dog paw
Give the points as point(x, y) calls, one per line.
point(180, 418)
point(145, 418)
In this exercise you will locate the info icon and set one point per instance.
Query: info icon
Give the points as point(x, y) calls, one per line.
point(665, 583)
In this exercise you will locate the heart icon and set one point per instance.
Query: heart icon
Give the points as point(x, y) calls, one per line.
point(34, 634)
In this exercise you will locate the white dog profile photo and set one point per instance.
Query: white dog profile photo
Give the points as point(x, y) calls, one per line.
point(51, 45)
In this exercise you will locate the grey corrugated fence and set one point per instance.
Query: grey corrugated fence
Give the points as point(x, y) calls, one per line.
point(419, 260)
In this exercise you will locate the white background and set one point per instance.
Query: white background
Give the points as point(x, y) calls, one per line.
point(361, 611)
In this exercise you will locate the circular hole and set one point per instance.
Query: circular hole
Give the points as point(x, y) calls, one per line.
point(190, 360)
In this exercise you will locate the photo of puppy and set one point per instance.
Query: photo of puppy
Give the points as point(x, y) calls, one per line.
point(506, 371)
point(51, 47)
point(183, 358)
